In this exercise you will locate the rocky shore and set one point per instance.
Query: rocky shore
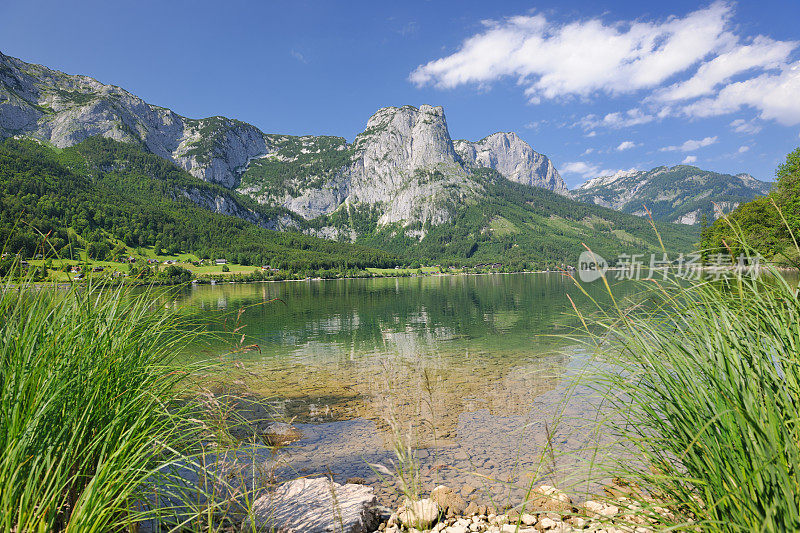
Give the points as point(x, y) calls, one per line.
point(548, 509)
point(274, 484)
point(320, 505)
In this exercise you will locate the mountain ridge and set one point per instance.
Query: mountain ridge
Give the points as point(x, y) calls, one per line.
point(402, 186)
point(681, 193)
point(65, 109)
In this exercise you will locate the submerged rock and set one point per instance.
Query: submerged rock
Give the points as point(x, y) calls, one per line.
point(280, 434)
point(448, 500)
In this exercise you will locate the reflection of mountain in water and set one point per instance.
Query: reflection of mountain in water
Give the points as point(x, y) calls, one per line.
point(421, 349)
point(356, 315)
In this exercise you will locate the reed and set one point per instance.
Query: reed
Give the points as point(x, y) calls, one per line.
point(704, 378)
point(87, 405)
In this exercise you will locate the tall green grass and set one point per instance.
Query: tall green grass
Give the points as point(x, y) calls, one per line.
point(86, 405)
point(705, 380)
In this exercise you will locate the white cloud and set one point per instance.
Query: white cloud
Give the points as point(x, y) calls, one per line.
point(588, 151)
point(626, 145)
point(689, 159)
point(583, 57)
point(579, 167)
point(719, 71)
point(741, 125)
point(536, 124)
point(298, 56)
point(762, 53)
point(631, 117)
point(775, 96)
point(691, 145)
point(591, 134)
point(743, 149)
point(588, 170)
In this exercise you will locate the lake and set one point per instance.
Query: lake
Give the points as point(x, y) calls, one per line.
point(477, 373)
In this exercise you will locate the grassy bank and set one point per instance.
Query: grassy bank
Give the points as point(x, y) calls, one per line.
point(706, 383)
point(86, 391)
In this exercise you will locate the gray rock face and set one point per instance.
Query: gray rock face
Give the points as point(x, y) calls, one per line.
point(406, 165)
point(405, 162)
point(514, 159)
point(64, 110)
point(317, 506)
point(226, 204)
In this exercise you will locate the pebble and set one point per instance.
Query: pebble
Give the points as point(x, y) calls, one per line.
point(592, 516)
point(545, 523)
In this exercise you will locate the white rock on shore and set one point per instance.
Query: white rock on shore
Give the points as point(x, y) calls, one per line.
point(420, 514)
point(316, 505)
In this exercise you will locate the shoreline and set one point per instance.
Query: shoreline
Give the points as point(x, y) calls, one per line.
point(220, 281)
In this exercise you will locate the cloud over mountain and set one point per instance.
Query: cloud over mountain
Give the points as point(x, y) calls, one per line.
point(721, 70)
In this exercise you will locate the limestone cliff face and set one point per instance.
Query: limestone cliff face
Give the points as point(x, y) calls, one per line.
point(405, 161)
point(64, 110)
point(513, 158)
point(227, 204)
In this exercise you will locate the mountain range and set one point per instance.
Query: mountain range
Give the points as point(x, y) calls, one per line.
point(682, 194)
point(403, 185)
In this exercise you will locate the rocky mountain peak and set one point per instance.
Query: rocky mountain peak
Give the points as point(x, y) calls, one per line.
point(65, 109)
point(407, 138)
point(514, 158)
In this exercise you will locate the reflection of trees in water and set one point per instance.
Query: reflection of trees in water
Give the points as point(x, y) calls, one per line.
point(354, 316)
point(425, 349)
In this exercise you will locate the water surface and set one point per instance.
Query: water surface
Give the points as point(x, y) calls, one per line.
point(473, 371)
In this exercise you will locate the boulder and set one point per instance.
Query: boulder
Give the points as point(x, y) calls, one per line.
point(448, 501)
point(420, 514)
point(316, 505)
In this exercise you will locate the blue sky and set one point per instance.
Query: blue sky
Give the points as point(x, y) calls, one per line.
point(598, 88)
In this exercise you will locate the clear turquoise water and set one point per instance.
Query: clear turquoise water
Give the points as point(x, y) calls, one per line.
point(476, 371)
